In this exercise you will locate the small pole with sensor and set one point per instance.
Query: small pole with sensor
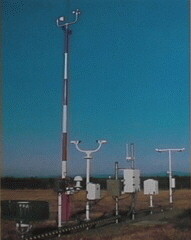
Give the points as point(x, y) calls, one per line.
point(88, 157)
point(65, 27)
point(130, 156)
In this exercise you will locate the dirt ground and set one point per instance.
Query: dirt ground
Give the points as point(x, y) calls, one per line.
point(174, 225)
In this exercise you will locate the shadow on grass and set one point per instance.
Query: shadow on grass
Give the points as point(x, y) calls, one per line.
point(183, 220)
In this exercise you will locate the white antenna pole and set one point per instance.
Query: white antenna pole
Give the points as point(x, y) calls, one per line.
point(126, 151)
point(130, 154)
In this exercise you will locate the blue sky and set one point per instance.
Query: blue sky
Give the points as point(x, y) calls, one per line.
point(129, 82)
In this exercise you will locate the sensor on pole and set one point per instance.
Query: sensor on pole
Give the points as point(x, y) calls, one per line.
point(170, 150)
point(93, 190)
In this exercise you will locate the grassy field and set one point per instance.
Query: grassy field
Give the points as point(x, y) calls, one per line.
point(175, 224)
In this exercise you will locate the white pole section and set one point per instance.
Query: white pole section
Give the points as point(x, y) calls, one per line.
point(87, 173)
point(170, 177)
point(87, 211)
point(59, 209)
point(151, 201)
point(87, 182)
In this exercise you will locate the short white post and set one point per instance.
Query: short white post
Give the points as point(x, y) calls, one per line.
point(59, 210)
point(151, 201)
point(87, 211)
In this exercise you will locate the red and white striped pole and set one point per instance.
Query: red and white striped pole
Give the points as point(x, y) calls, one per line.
point(64, 197)
point(65, 105)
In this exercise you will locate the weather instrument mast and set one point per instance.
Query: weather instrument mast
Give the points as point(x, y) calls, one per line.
point(65, 26)
point(88, 157)
point(170, 150)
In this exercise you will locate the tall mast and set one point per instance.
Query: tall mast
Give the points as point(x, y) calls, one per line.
point(63, 197)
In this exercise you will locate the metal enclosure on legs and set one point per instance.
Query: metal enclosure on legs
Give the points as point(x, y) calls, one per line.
point(131, 180)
